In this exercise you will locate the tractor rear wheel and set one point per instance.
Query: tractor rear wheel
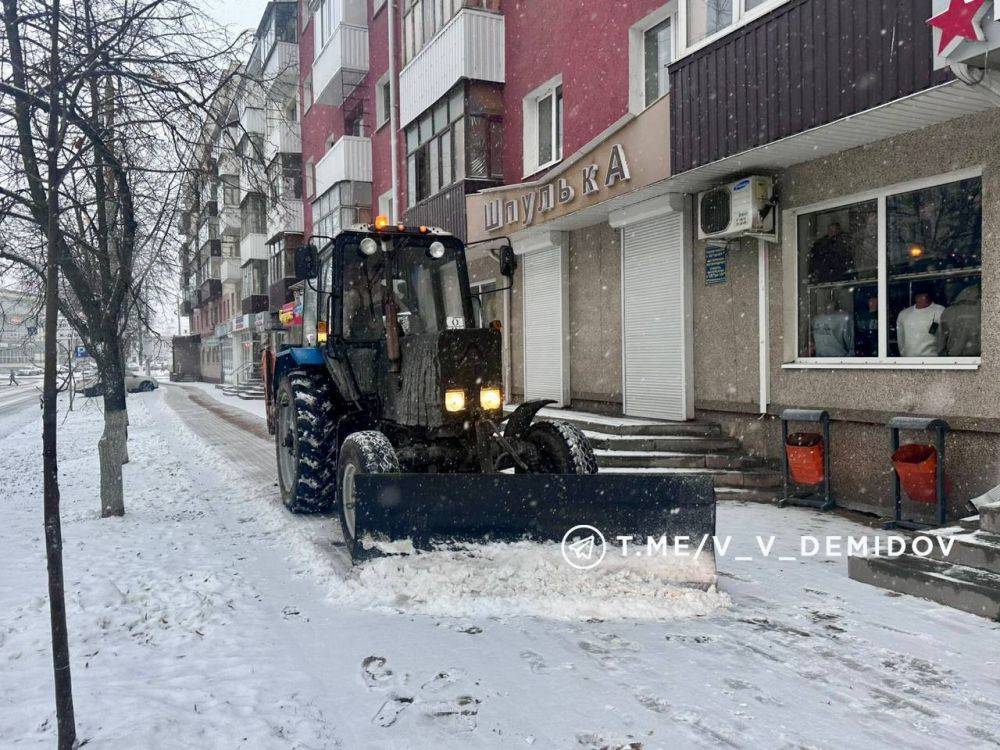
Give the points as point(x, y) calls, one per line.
point(562, 449)
point(303, 442)
point(368, 452)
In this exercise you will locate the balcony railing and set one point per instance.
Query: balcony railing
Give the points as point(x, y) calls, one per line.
point(341, 64)
point(281, 70)
point(229, 220)
point(285, 217)
point(253, 247)
point(282, 138)
point(350, 158)
point(470, 46)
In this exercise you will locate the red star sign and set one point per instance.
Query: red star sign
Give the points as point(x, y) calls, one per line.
point(962, 20)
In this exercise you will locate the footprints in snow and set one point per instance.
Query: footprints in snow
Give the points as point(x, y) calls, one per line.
point(439, 700)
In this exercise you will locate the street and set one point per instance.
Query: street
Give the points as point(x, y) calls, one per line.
point(210, 617)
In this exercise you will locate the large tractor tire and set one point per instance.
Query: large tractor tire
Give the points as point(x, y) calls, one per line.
point(562, 449)
point(368, 452)
point(304, 442)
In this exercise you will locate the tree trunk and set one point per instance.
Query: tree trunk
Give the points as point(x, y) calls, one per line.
point(112, 448)
point(65, 719)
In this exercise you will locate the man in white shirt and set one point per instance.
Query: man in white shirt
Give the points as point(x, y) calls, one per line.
point(917, 326)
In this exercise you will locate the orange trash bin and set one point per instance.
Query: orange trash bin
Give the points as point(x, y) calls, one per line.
point(916, 466)
point(805, 452)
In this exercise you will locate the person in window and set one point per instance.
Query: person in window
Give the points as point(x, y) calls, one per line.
point(917, 326)
point(866, 329)
point(831, 257)
point(958, 333)
point(833, 332)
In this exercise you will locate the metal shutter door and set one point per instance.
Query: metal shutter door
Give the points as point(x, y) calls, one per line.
point(544, 376)
point(653, 322)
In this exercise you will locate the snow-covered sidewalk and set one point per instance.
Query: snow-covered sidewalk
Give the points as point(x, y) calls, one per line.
point(208, 617)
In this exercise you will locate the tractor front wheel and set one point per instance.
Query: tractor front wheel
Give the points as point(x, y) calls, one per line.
point(562, 449)
point(368, 452)
point(303, 443)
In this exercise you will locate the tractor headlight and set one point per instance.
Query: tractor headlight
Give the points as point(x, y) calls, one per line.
point(454, 400)
point(491, 399)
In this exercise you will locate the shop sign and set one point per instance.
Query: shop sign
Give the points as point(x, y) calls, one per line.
point(241, 323)
point(591, 181)
point(716, 260)
point(222, 330)
point(263, 322)
point(965, 31)
point(211, 342)
point(291, 314)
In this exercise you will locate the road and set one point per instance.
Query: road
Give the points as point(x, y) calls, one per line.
point(15, 402)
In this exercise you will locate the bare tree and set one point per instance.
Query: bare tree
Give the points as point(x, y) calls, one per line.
point(133, 83)
point(101, 101)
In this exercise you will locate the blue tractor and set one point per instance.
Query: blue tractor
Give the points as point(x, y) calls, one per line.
point(394, 418)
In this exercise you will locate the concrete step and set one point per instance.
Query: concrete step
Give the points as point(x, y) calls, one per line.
point(676, 460)
point(251, 396)
point(989, 518)
point(969, 523)
point(958, 586)
point(975, 549)
point(757, 479)
point(748, 494)
point(626, 425)
point(661, 443)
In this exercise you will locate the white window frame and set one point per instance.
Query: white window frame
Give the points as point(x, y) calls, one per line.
point(741, 17)
point(309, 176)
point(529, 117)
point(328, 15)
point(637, 51)
point(791, 264)
point(385, 205)
point(382, 115)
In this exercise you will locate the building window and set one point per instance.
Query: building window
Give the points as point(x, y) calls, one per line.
point(385, 205)
point(309, 178)
point(344, 204)
point(327, 20)
point(895, 277)
point(433, 142)
point(383, 101)
point(253, 215)
point(543, 127)
point(708, 18)
point(658, 51)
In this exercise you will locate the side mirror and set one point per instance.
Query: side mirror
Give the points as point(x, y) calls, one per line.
point(508, 261)
point(306, 262)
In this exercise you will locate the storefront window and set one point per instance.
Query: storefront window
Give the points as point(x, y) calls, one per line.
point(929, 303)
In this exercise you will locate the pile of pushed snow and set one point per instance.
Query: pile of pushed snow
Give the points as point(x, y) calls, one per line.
point(529, 579)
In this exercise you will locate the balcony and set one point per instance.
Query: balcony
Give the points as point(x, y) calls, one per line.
point(252, 120)
point(285, 217)
point(229, 163)
point(350, 158)
point(283, 138)
point(341, 64)
point(470, 46)
point(229, 220)
point(255, 303)
point(280, 75)
point(209, 290)
point(280, 293)
point(253, 246)
point(208, 231)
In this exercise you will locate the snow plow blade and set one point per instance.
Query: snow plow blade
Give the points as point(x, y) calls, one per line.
point(429, 508)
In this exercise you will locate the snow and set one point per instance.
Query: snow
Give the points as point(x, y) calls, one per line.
point(254, 407)
point(209, 617)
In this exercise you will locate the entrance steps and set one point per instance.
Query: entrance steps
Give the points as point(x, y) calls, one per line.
point(965, 577)
point(629, 445)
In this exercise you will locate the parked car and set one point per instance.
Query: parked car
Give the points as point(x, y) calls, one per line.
point(134, 383)
point(30, 372)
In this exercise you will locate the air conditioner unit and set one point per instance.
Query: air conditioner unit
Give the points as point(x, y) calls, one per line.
point(739, 208)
